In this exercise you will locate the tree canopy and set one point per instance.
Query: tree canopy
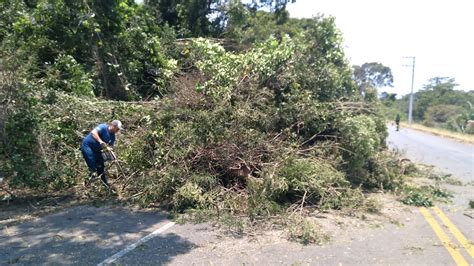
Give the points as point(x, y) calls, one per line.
point(439, 104)
point(373, 75)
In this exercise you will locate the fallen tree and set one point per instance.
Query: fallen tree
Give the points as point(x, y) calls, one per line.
point(279, 126)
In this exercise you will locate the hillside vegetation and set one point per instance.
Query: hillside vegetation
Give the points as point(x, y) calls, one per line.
point(437, 105)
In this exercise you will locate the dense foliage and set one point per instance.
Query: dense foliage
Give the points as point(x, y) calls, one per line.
point(251, 123)
point(370, 76)
point(440, 105)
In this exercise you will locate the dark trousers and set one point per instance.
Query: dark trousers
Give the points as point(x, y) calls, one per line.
point(94, 160)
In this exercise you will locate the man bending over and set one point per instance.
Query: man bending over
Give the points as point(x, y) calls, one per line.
point(101, 137)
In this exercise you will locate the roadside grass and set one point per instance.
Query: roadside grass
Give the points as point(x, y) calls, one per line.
point(446, 179)
point(423, 187)
point(441, 132)
point(428, 171)
point(424, 196)
point(306, 231)
point(296, 223)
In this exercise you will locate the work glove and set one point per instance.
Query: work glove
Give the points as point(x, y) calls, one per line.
point(107, 154)
point(106, 148)
point(104, 145)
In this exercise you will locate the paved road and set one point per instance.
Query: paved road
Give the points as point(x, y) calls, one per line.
point(450, 156)
point(87, 235)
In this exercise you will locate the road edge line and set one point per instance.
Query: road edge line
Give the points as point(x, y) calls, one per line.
point(455, 231)
point(131, 247)
point(455, 254)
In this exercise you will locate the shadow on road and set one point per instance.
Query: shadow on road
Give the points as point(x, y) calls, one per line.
point(85, 235)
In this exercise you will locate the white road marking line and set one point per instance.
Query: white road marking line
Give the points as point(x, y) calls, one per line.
point(131, 247)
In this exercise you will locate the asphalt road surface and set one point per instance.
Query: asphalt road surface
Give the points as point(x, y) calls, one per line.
point(447, 155)
point(87, 235)
point(453, 158)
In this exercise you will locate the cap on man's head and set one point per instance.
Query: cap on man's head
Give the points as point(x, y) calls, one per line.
point(117, 123)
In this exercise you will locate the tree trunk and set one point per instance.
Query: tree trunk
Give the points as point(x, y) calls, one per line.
point(101, 71)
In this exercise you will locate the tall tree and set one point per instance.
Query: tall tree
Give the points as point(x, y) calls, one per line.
point(201, 18)
point(190, 18)
point(388, 98)
point(372, 75)
point(438, 90)
point(273, 5)
point(322, 53)
point(440, 84)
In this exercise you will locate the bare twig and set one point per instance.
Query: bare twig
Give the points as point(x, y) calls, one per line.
point(303, 201)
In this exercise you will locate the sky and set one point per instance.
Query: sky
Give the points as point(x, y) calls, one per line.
point(438, 33)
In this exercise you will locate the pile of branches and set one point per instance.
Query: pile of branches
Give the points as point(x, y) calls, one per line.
point(246, 139)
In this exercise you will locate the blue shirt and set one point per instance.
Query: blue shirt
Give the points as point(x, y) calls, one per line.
point(104, 134)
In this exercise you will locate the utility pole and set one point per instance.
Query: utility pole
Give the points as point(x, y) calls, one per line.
point(410, 107)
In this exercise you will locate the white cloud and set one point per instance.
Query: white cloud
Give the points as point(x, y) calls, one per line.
point(436, 32)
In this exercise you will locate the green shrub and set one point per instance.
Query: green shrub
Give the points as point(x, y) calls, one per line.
point(443, 115)
point(21, 142)
point(204, 181)
point(67, 75)
point(188, 196)
point(259, 201)
point(440, 193)
point(469, 127)
point(381, 128)
point(360, 139)
point(372, 205)
point(161, 185)
point(425, 195)
point(382, 170)
point(305, 231)
point(417, 197)
point(317, 181)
